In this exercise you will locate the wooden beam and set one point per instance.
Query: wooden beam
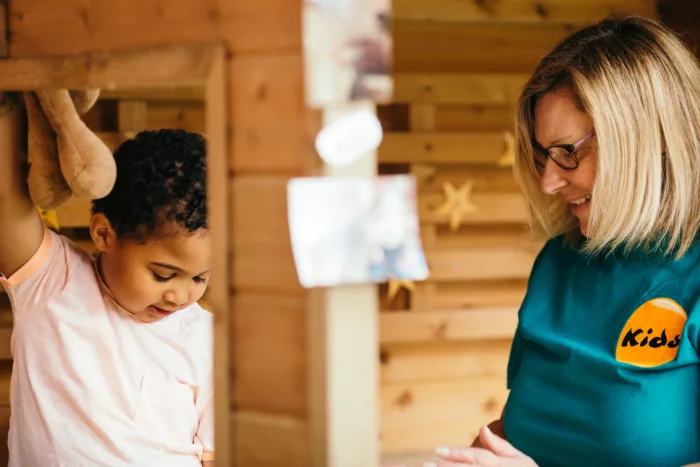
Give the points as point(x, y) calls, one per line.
point(182, 65)
point(176, 114)
point(458, 88)
point(478, 294)
point(266, 440)
point(343, 347)
point(219, 219)
point(542, 12)
point(75, 213)
point(443, 148)
point(57, 27)
point(425, 46)
point(447, 325)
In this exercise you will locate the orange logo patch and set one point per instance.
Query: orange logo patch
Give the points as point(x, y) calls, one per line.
point(652, 334)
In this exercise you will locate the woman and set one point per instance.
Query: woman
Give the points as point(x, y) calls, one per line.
point(604, 363)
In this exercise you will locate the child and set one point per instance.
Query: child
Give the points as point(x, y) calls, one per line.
point(112, 355)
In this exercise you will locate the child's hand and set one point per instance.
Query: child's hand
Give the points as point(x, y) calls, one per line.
point(496, 452)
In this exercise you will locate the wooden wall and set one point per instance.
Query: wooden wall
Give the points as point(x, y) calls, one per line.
point(459, 67)
point(268, 144)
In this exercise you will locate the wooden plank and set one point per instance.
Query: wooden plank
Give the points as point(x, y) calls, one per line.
point(443, 148)
point(431, 178)
point(5, 339)
point(182, 115)
point(172, 93)
point(474, 118)
point(459, 88)
point(269, 133)
point(259, 210)
point(56, 27)
point(268, 352)
point(543, 12)
point(181, 65)
point(422, 415)
point(425, 46)
point(447, 325)
point(444, 360)
point(481, 293)
point(492, 208)
point(260, 268)
point(480, 263)
point(266, 440)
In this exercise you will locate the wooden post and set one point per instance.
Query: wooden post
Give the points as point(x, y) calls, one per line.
point(343, 353)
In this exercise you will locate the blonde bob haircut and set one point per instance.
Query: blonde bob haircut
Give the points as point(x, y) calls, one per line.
point(640, 86)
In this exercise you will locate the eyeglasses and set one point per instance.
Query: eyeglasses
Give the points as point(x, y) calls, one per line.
point(564, 155)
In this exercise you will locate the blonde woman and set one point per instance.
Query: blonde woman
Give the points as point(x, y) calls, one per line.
point(604, 367)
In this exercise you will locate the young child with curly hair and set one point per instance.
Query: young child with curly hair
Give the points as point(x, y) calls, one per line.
point(112, 354)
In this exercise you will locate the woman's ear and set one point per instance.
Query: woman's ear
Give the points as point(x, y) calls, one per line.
point(102, 233)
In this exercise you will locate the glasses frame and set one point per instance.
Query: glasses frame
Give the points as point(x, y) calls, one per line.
point(570, 148)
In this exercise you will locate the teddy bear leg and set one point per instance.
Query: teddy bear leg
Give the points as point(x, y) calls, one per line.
point(47, 187)
point(86, 162)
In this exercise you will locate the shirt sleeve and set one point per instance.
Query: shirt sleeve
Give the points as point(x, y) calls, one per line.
point(39, 278)
point(516, 356)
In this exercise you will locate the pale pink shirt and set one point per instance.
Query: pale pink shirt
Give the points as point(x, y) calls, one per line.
point(93, 387)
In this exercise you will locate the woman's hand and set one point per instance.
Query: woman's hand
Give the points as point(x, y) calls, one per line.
point(496, 452)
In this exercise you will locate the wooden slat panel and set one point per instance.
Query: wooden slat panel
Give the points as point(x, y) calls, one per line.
point(5, 310)
point(263, 440)
point(493, 208)
point(447, 325)
point(480, 263)
point(422, 415)
point(442, 360)
point(268, 336)
point(458, 88)
point(544, 12)
point(423, 46)
point(5, 337)
point(269, 114)
point(57, 27)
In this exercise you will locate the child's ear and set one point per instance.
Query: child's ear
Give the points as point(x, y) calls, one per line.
point(102, 233)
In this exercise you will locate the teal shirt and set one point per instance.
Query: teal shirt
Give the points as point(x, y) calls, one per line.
point(604, 364)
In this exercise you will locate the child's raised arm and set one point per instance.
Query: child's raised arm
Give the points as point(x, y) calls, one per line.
point(21, 228)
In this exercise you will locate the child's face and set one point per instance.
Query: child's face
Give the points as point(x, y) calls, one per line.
point(154, 279)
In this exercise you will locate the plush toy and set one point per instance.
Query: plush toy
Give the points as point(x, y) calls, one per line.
point(65, 157)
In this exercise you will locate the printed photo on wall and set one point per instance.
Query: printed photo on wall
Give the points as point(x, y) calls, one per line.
point(347, 51)
point(347, 230)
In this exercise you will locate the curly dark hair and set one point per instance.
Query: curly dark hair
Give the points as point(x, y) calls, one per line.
point(161, 178)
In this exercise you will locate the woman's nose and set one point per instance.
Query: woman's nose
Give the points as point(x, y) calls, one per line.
point(551, 181)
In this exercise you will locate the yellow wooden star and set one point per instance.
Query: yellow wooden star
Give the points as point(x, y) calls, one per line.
point(396, 284)
point(50, 219)
point(457, 203)
point(508, 157)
